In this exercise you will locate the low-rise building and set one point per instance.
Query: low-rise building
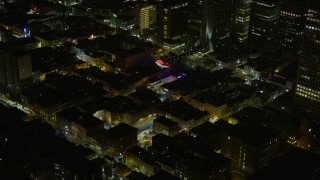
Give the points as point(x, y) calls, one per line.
point(166, 126)
point(73, 121)
point(141, 160)
point(184, 114)
point(116, 140)
point(215, 103)
point(118, 109)
point(49, 39)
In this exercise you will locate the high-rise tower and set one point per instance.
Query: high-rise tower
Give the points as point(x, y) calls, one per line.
point(264, 17)
point(291, 25)
point(217, 17)
point(307, 97)
point(242, 19)
point(147, 16)
point(15, 71)
point(173, 24)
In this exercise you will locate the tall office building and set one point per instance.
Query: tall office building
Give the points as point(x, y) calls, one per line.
point(242, 19)
point(307, 97)
point(15, 71)
point(147, 16)
point(250, 147)
point(217, 17)
point(264, 17)
point(146, 23)
point(173, 24)
point(291, 25)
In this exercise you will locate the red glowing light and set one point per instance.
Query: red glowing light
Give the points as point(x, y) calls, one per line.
point(35, 8)
point(159, 61)
point(162, 63)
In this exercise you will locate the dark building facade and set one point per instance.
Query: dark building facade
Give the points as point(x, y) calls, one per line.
point(217, 18)
point(250, 147)
point(120, 138)
point(166, 126)
point(307, 96)
point(173, 24)
point(264, 17)
point(5, 34)
point(291, 25)
point(15, 71)
point(242, 19)
point(310, 134)
point(294, 164)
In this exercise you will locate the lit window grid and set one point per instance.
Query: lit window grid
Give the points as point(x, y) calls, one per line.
point(308, 93)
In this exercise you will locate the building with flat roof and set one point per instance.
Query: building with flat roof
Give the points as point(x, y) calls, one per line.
point(121, 137)
point(165, 125)
point(118, 109)
point(15, 71)
point(116, 140)
point(72, 121)
point(184, 114)
point(250, 147)
point(294, 164)
point(210, 133)
point(141, 159)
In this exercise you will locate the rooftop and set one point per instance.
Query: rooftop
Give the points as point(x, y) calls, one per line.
point(207, 128)
point(44, 95)
point(166, 121)
point(254, 135)
point(20, 42)
point(161, 175)
point(215, 99)
point(121, 104)
point(146, 96)
point(195, 80)
point(75, 115)
point(295, 164)
point(119, 131)
point(183, 110)
point(142, 154)
point(136, 176)
point(59, 89)
point(118, 81)
point(46, 58)
point(249, 114)
point(263, 63)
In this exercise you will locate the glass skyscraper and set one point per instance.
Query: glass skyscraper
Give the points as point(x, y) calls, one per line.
point(307, 97)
